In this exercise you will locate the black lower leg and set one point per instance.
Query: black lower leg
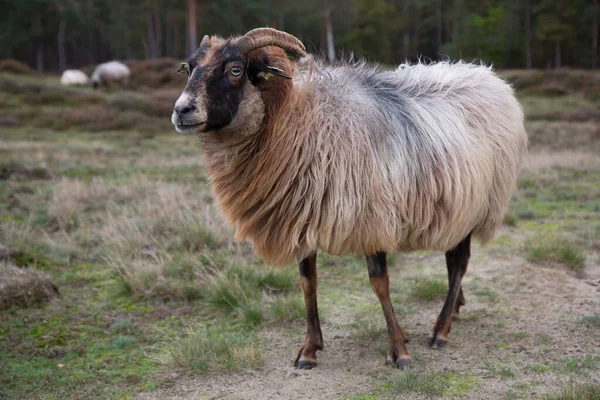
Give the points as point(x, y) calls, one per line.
point(314, 339)
point(457, 260)
point(379, 279)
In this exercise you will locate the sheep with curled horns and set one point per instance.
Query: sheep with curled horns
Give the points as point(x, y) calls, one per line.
point(353, 159)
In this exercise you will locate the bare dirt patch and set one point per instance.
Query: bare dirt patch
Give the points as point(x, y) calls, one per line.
point(518, 335)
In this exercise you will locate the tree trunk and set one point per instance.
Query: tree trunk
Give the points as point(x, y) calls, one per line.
point(406, 38)
point(509, 54)
point(329, 34)
point(154, 32)
point(528, 63)
point(158, 34)
point(281, 21)
point(595, 36)
point(192, 41)
point(62, 55)
point(418, 32)
point(438, 14)
point(557, 55)
point(39, 57)
point(150, 36)
point(39, 49)
point(90, 32)
point(169, 35)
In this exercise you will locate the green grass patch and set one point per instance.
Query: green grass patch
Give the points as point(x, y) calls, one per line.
point(506, 372)
point(212, 350)
point(544, 250)
point(487, 293)
point(429, 289)
point(434, 384)
point(539, 368)
point(591, 320)
point(580, 366)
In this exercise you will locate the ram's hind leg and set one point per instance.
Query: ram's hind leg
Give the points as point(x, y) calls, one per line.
point(457, 260)
point(380, 282)
point(307, 355)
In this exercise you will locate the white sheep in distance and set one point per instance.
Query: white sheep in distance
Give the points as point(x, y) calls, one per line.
point(110, 73)
point(353, 159)
point(74, 77)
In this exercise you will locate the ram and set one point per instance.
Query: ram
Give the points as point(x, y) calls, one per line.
point(352, 159)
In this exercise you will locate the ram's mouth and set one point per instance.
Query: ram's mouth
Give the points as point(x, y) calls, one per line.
point(193, 128)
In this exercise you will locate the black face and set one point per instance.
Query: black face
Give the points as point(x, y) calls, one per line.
point(223, 83)
point(215, 89)
point(212, 96)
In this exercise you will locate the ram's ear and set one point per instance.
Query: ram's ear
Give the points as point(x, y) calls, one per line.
point(258, 71)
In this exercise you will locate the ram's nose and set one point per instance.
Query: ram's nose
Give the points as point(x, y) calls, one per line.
point(182, 109)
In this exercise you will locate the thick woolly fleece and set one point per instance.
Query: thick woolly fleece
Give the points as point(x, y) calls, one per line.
point(356, 159)
point(110, 71)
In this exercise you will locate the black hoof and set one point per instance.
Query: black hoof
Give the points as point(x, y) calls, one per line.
point(436, 342)
point(305, 364)
point(403, 363)
point(400, 363)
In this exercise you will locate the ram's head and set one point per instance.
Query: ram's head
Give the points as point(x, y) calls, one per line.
point(226, 79)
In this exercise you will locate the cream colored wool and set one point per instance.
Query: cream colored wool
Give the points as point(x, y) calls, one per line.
point(357, 160)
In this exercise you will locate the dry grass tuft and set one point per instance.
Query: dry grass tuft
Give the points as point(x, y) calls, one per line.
point(156, 241)
point(576, 391)
point(10, 169)
point(16, 67)
point(556, 250)
point(23, 287)
point(213, 350)
point(579, 160)
point(557, 136)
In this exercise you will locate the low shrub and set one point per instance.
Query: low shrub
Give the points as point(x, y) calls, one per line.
point(155, 73)
point(23, 287)
point(16, 67)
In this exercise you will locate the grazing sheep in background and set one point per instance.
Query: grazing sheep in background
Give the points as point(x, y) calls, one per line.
point(109, 73)
point(353, 159)
point(74, 77)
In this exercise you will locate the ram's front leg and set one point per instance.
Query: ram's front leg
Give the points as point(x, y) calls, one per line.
point(380, 282)
point(307, 355)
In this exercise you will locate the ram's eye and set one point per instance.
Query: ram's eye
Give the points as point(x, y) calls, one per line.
point(184, 69)
point(236, 71)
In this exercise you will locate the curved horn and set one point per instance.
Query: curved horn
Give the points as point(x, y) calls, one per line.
point(261, 37)
point(204, 41)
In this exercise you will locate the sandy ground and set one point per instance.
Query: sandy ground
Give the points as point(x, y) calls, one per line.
point(537, 313)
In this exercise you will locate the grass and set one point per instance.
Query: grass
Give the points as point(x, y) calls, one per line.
point(575, 391)
point(539, 368)
point(546, 250)
point(591, 320)
point(121, 218)
point(433, 384)
point(23, 287)
point(429, 289)
point(580, 366)
point(214, 349)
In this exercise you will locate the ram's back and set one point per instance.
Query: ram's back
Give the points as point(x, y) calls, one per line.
point(414, 158)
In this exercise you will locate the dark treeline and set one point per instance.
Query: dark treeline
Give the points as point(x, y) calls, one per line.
point(52, 35)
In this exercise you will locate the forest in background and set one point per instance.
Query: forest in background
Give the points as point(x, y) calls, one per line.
point(53, 35)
